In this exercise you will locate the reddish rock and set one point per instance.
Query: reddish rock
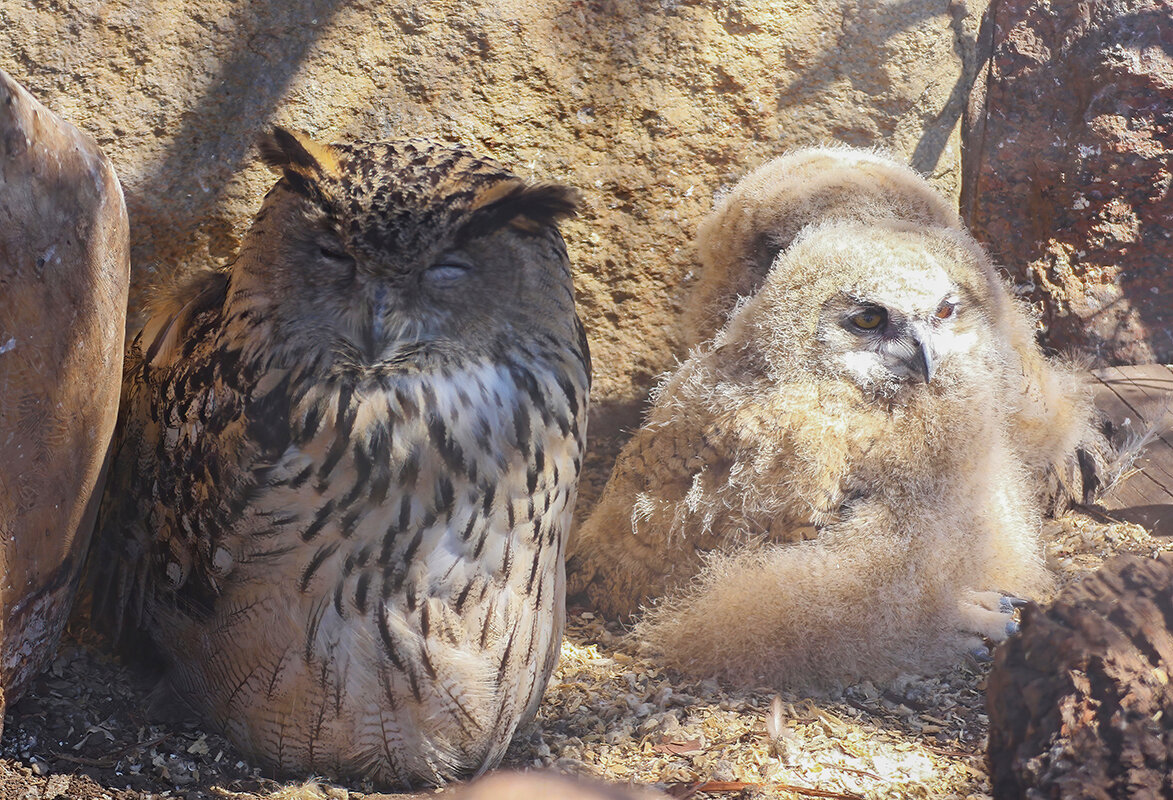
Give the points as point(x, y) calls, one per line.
point(1081, 701)
point(64, 270)
point(1067, 165)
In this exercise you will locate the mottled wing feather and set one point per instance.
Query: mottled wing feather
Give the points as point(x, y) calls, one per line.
point(114, 569)
point(186, 410)
point(584, 350)
point(692, 480)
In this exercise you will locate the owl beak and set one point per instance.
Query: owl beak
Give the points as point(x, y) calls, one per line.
point(374, 329)
point(922, 361)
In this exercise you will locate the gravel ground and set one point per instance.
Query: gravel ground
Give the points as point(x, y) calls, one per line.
point(89, 728)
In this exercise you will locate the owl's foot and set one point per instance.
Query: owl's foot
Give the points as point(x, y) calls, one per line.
point(990, 615)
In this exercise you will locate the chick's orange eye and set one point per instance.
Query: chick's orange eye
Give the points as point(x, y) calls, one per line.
point(869, 319)
point(946, 310)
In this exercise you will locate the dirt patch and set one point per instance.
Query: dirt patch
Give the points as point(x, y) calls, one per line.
point(89, 729)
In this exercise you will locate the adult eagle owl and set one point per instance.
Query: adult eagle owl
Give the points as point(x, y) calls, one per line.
point(348, 462)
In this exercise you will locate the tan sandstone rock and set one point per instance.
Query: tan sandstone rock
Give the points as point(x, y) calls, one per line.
point(652, 108)
point(63, 285)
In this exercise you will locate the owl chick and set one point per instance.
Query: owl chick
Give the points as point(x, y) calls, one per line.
point(842, 484)
point(348, 463)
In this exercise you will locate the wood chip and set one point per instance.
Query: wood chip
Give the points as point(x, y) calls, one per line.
point(679, 748)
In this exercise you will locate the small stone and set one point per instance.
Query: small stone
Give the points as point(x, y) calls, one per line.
point(723, 771)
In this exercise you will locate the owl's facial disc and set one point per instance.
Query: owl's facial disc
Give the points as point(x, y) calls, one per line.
point(388, 309)
point(890, 346)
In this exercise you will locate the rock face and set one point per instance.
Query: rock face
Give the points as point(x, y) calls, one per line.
point(1081, 703)
point(651, 108)
point(64, 272)
point(1068, 165)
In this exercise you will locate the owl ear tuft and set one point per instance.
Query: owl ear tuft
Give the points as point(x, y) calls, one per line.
point(287, 152)
point(523, 206)
point(546, 203)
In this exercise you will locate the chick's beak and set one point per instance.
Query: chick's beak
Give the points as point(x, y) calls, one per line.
point(922, 361)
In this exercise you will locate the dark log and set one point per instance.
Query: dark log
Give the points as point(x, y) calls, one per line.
point(1080, 701)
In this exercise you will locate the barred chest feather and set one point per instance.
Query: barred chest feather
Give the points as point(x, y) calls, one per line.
point(398, 570)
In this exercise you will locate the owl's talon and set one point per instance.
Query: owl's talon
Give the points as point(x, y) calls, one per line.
point(981, 654)
point(1009, 602)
